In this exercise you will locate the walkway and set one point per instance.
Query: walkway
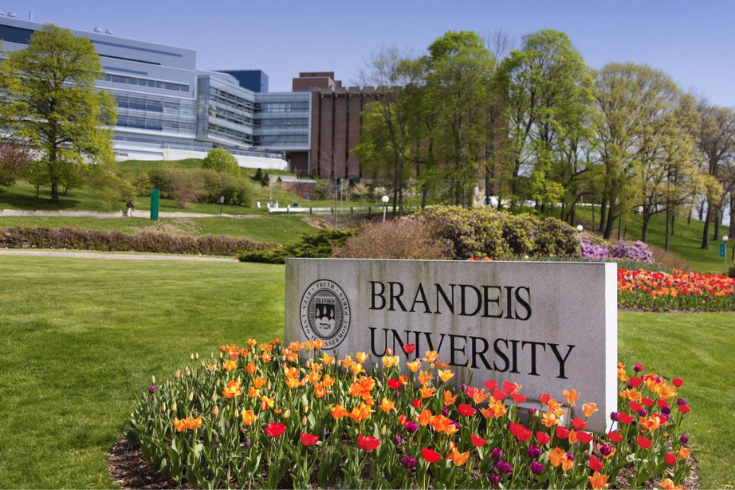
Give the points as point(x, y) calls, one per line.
point(119, 214)
point(105, 255)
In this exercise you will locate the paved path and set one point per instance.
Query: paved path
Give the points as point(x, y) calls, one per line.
point(119, 214)
point(118, 256)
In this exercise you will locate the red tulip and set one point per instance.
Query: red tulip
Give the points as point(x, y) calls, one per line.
point(521, 433)
point(394, 383)
point(614, 436)
point(625, 418)
point(309, 439)
point(636, 382)
point(430, 455)
point(499, 394)
point(275, 430)
point(519, 398)
point(417, 403)
point(677, 382)
point(367, 443)
point(466, 410)
point(578, 423)
point(542, 438)
point(562, 432)
point(635, 406)
point(491, 385)
point(409, 348)
point(643, 442)
point(509, 387)
point(646, 401)
point(596, 464)
point(544, 398)
point(684, 408)
point(584, 437)
point(670, 459)
point(662, 403)
point(477, 441)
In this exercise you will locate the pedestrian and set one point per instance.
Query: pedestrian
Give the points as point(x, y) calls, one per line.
point(131, 207)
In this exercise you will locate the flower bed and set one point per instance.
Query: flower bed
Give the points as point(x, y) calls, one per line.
point(679, 291)
point(258, 416)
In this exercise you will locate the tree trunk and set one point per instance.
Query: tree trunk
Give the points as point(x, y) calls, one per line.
point(705, 234)
point(717, 221)
point(610, 223)
point(603, 214)
point(673, 222)
point(646, 221)
point(666, 241)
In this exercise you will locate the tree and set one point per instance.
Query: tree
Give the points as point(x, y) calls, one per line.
point(717, 143)
point(398, 79)
point(458, 86)
point(222, 161)
point(50, 103)
point(549, 94)
point(14, 161)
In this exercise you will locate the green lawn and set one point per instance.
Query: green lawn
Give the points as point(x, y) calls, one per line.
point(81, 338)
point(276, 228)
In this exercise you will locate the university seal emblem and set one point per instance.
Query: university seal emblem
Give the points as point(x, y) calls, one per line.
point(325, 313)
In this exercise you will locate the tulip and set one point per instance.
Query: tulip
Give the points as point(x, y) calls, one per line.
point(408, 462)
point(496, 453)
point(503, 467)
point(537, 468)
point(411, 426)
point(367, 443)
point(533, 451)
point(152, 389)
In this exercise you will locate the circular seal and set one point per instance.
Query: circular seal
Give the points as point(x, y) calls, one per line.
point(325, 313)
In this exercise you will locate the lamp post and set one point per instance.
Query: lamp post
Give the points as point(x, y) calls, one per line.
point(580, 228)
point(385, 200)
point(724, 249)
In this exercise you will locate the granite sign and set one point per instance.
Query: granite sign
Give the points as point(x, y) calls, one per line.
point(549, 326)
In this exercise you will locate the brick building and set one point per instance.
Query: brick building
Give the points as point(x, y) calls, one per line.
point(335, 126)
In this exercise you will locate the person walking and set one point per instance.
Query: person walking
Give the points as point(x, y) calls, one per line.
point(131, 207)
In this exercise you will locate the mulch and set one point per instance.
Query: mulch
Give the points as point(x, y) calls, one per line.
point(129, 469)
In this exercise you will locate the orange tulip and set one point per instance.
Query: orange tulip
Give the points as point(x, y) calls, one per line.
point(229, 365)
point(232, 389)
point(598, 480)
point(248, 417)
point(589, 409)
point(427, 392)
point(414, 365)
point(425, 418)
point(448, 398)
point(387, 405)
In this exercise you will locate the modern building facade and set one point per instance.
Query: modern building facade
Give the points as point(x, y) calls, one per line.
point(165, 104)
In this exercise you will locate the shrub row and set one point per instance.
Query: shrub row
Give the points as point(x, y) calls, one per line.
point(115, 241)
point(316, 246)
point(485, 232)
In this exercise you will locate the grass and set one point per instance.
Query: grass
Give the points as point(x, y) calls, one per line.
point(278, 228)
point(79, 340)
point(685, 243)
point(697, 348)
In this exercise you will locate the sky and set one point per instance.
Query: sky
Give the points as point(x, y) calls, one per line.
point(693, 41)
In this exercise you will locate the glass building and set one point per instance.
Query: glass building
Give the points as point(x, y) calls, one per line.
point(165, 104)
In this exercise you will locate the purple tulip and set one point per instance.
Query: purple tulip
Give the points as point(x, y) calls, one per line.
point(496, 453)
point(152, 389)
point(411, 426)
point(247, 442)
point(681, 401)
point(614, 416)
point(494, 479)
point(532, 410)
point(445, 411)
point(503, 467)
point(642, 412)
point(534, 451)
point(683, 439)
point(408, 462)
point(666, 410)
point(462, 387)
point(605, 449)
point(570, 456)
point(537, 468)
point(637, 368)
point(398, 440)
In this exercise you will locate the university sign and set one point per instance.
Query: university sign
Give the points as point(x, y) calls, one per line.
point(548, 326)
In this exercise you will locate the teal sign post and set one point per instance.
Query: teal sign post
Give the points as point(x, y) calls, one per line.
point(722, 250)
point(155, 199)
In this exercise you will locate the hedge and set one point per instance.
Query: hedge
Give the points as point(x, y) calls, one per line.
point(115, 241)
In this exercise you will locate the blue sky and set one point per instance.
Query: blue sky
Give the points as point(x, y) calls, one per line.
point(692, 40)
